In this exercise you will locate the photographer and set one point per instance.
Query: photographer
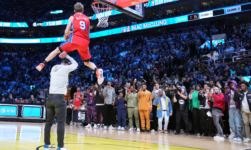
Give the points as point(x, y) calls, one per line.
point(181, 110)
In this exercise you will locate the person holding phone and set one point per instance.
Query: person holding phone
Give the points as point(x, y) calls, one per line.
point(132, 108)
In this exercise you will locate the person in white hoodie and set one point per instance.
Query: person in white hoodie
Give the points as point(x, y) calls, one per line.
point(56, 102)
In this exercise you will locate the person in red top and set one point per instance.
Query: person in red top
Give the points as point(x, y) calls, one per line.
point(77, 39)
point(78, 97)
point(218, 107)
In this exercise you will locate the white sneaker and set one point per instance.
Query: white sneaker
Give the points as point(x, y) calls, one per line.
point(63, 148)
point(47, 147)
point(131, 129)
point(220, 138)
point(234, 139)
point(231, 136)
point(152, 130)
point(111, 127)
point(138, 129)
point(105, 127)
point(246, 140)
point(238, 139)
point(122, 129)
point(119, 128)
point(95, 126)
point(71, 123)
point(99, 74)
point(88, 126)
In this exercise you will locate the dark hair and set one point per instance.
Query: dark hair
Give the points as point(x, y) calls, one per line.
point(244, 82)
point(66, 61)
point(144, 84)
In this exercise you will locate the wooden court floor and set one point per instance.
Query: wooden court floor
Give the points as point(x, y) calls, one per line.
point(29, 136)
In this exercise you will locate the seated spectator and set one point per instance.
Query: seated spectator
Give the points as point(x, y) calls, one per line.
point(33, 100)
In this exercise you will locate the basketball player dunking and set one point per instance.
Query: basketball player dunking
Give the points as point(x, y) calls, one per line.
point(78, 40)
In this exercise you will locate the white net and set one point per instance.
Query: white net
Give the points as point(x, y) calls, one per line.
point(102, 13)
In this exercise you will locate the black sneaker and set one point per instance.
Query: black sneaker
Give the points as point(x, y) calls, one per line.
point(142, 130)
point(187, 134)
point(148, 131)
point(177, 133)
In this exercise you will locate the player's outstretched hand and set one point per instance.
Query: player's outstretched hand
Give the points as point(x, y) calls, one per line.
point(66, 37)
point(63, 55)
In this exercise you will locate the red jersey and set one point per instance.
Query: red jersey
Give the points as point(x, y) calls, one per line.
point(77, 100)
point(81, 29)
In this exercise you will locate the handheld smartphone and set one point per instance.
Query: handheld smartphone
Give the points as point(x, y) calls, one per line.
point(129, 90)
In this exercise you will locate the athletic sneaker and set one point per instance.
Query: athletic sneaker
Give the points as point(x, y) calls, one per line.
point(138, 129)
point(131, 129)
point(40, 66)
point(105, 127)
point(99, 74)
point(95, 126)
point(111, 127)
point(119, 128)
point(166, 132)
point(46, 147)
point(246, 140)
point(159, 131)
point(63, 148)
point(231, 136)
point(237, 139)
point(122, 129)
point(88, 126)
point(153, 131)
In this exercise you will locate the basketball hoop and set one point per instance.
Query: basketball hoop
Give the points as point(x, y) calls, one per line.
point(102, 13)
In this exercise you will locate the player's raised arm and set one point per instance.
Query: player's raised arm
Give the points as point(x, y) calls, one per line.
point(67, 31)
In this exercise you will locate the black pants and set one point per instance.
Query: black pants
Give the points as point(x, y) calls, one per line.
point(182, 115)
point(68, 116)
point(172, 120)
point(196, 120)
point(55, 107)
point(108, 115)
point(206, 123)
point(99, 109)
point(155, 118)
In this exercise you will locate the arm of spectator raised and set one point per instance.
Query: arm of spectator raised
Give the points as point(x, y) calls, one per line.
point(73, 64)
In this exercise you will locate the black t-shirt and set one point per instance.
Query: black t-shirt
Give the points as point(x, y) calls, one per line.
point(181, 103)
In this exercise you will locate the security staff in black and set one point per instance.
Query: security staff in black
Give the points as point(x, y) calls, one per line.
point(100, 105)
point(56, 105)
point(181, 110)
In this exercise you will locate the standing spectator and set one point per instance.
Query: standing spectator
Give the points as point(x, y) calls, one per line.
point(145, 107)
point(181, 110)
point(68, 95)
point(206, 122)
point(109, 98)
point(235, 118)
point(91, 107)
point(195, 108)
point(78, 97)
point(132, 108)
point(164, 110)
point(172, 119)
point(155, 93)
point(244, 98)
point(41, 94)
point(100, 106)
point(120, 102)
point(218, 107)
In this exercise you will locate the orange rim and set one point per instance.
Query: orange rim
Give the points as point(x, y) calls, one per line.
point(93, 6)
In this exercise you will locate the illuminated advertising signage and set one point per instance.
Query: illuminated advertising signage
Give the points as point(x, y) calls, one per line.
point(14, 24)
point(32, 111)
point(158, 2)
point(6, 110)
point(56, 12)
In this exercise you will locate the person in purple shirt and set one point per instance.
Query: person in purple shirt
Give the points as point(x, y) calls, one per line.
point(121, 108)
